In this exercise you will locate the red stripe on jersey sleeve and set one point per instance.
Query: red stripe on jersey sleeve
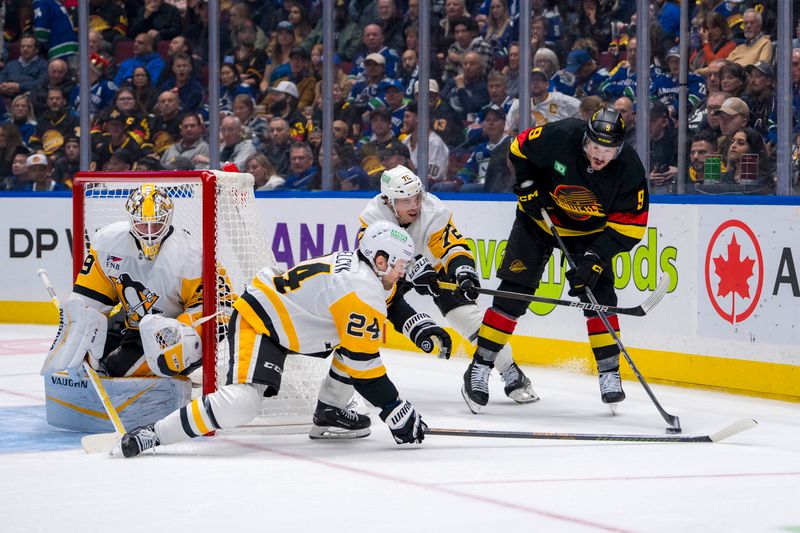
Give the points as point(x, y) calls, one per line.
point(635, 219)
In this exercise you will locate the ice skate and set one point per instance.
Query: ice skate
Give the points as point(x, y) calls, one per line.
point(139, 440)
point(476, 386)
point(611, 389)
point(333, 423)
point(518, 387)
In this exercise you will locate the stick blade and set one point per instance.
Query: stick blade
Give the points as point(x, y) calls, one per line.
point(737, 427)
point(100, 442)
point(658, 294)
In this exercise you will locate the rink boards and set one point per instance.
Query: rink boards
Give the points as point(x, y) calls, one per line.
point(731, 319)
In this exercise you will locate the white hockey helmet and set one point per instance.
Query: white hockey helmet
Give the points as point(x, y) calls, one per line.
point(387, 238)
point(400, 183)
point(150, 212)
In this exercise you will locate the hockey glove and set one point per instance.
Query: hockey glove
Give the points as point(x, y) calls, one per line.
point(528, 198)
point(423, 277)
point(404, 422)
point(426, 335)
point(586, 275)
point(467, 280)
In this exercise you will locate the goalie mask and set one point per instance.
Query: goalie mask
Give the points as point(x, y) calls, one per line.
point(403, 192)
point(390, 240)
point(150, 212)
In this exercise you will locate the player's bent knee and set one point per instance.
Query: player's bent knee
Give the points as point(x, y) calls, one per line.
point(234, 405)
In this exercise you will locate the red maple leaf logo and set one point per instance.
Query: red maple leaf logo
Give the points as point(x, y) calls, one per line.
point(733, 273)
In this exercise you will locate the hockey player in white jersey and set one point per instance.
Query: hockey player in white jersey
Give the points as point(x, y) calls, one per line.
point(441, 253)
point(153, 271)
point(335, 302)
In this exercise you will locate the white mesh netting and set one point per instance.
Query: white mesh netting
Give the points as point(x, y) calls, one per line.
point(240, 248)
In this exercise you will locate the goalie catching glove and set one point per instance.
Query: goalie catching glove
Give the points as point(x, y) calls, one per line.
point(170, 347)
point(423, 277)
point(81, 330)
point(404, 422)
point(426, 335)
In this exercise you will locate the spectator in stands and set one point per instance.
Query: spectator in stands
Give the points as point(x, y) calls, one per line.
point(230, 86)
point(263, 173)
point(713, 74)
point(757, 46)
point(624, 106)
point(716, 42)
point(122, 160)
point(159, 19)
point(55, 125)
point(66, 166)
point(761, 100)
point(373, 43)
point(347, 30)
point(621, 80)
point(665, 86)
point(38, 176)
point(452, 10)
point(251, 60)
point(466, 40)
point(109, 20)
point(396, 105)
point(663, 150)
point(368, 92)
point(23, 118)
point(408, 71)
point(255, 127)
point(278, 58)
point(748, 163)
point(165, 127)
point(283, 104)
point(137, 120)
point(438, 153)
point(178, 45)
point(297, 14)
point(710, 119)
point(148, 164)
point(234, 147)
point(589, 106)
point(237, 15)
point(300, 75)
point(734, 114)
point(538, 34)
point(190, 143)
point(196, 28)
point(116, 137)
point(546, 106)
point(53, 28)
point(669, 18)
point(102, 90)
point(391, 22)
point(704, 144)
point(183, 82)
point(370, 148)
point(58, 75)
point(19, 171)
point(144, 55)
point(277, 148)
point(143, 89)
point(303, 174)
point(467, 92)
point(10, 142)
point(583, 77)
point(347, 176)
point(733, 79)
point(499, 29)
point(24, 74)
point(511, 70)
point(444, 119)
point(593, 22)
point(395, 154)
point(487, 170)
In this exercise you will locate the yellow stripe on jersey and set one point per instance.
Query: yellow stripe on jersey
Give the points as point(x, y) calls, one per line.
point(447, 242)
point(283, 314)
point(454, 254)
point(372, 373)
point(251, 316)
point(629, 230)
point(192, 295)
point(198, 417)
point(246, 338)
point(95, 279)
point(565, 232)
point(515, 149)
point(358, 324)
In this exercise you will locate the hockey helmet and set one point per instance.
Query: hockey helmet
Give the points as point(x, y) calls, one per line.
point(150, 212)
point(401, 186)
point(606, 128)
point(387, 238)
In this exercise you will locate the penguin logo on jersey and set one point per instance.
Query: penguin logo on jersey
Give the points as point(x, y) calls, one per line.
point(135, 297)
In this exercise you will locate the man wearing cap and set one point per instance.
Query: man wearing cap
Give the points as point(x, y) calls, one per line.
point(394, 96)
point(116, 137)
point(283, 103)
point(757, 46)
point(299, 61)
point(250, 59)
point(374, 44)
point(368, 92)
point(38, 176)
point(55, 125)
point(665, 86)
point(733, 114)
point(444, 120)
point(438, 153)
point(102, 91)
point(546, 106)
point(486, 169)
point(762, 104)
point(582, 75)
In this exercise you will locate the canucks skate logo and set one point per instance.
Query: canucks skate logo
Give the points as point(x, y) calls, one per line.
point(135, 297)
point(578, 202)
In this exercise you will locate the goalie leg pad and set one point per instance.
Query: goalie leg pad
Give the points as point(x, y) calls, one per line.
point(170, 347)
point(81, 330)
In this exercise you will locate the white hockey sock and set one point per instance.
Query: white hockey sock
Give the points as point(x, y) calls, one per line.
point(466, 320)
point(334, 392)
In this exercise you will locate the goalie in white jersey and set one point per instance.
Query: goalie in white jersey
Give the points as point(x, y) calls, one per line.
point(336, 302)
point(441, 253)
point(153, 271)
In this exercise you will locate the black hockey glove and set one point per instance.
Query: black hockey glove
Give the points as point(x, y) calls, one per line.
point(528, 198)
point(423, 277)
point(427, 335)
point(468, 280)
point(588, 271)
point(404, 422)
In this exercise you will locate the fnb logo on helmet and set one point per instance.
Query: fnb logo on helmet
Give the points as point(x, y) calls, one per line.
point(399, 236)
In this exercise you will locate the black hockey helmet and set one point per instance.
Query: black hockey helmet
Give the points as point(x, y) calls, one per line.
point(606, 128)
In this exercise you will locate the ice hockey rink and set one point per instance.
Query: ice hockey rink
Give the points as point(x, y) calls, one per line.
point(255, 482)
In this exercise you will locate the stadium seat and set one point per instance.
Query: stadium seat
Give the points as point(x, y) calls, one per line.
point(13, 50)
point(122, 51)
point(162, 48)
point(606, 60)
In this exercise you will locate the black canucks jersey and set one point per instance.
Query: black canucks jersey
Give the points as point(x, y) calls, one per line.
point(611, 203)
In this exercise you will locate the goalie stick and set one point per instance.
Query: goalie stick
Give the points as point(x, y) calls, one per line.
point(673, 421)
point(97, 442)
point(728, 431)
point(639, 310)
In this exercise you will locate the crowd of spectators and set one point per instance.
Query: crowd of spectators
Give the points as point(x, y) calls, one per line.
point(149, 97)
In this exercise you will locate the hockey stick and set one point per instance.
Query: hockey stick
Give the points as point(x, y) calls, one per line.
point(728, 431)
point(97, 442)
point(672, 420)
point(639, 310)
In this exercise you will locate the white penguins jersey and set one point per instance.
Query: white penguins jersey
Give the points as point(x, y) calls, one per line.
point(435, 236)
point(115, 271)
point(332, 301)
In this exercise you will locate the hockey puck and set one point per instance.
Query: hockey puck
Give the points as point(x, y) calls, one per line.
point(674, 430)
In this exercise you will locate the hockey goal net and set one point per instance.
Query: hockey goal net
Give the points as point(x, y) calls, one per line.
point(217, 208)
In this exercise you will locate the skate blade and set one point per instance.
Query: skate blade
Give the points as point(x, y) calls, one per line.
point(474, 407)
point(524, 395)
point(334, 433)
point(613, 406)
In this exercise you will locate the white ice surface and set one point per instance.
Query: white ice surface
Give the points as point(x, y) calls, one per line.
point(251, 482)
